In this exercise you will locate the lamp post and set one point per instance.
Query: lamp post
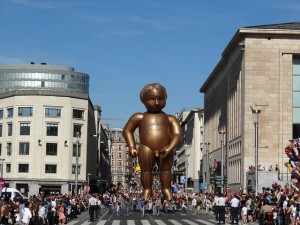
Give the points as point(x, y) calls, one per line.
point(222, 159)
point(76, 165)
point(207, 159)
point(256, 113)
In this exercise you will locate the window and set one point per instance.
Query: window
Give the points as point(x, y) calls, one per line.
point(0, 130)
point(8, 167)
point(78, 114)
point(51, 148)
point(119, 178)
point(77, 129)
point(0, 149)
point(9, 148)
point(25, 111)
point(74, 168)
point(75, 149)
point(23, 168)
point(24, 128)
point(51, 112)
point(1, 113)
point(9, 129)
point(10, 112)
point(49, 168)
point(120, 147)
point(119, 162)
point(52, 129)
point(24, 148)
point(120, 155)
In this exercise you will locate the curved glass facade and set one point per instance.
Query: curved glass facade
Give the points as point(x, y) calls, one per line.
point(36, 78)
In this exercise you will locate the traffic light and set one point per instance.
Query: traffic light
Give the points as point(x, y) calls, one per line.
point(225, 179)
point(212, 180)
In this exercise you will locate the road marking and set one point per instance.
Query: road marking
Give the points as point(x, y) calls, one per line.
point(190, 222)
point(175, 222)
point(116, 222)
point(130, 222)
point(102, 222)
point(145, 222)
point(159, 222)
point(208, 223)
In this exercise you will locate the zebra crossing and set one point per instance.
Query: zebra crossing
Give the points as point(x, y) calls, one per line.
point(183, 221)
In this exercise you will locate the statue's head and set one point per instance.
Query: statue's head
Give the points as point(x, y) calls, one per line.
point(154, 97)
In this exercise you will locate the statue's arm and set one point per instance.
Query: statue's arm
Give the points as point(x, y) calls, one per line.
point(176, 135)
point(128, 132)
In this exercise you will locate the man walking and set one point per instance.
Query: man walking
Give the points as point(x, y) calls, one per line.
point(92, 206)
point(235, 202)
point(221, 201)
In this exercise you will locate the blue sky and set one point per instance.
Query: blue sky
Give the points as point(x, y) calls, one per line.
point(126, 44)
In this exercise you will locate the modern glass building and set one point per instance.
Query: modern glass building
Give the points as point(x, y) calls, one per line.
point(46, 118)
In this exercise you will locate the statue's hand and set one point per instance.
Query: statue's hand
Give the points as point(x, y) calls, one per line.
point(133, 152)
point(166, 152)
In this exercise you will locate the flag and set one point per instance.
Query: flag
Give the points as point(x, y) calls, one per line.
point(215, 164)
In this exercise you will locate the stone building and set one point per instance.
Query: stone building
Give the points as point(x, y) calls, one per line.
point(46, 118)
point(188, 161)
point(254, 87)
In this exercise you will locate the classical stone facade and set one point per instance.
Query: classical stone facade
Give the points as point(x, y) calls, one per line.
point(46, 116)
point(258, 69)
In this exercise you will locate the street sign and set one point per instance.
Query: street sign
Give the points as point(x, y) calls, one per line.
point(203, 186)
point(182, 179)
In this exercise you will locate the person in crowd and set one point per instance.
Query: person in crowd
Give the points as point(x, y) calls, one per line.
point(235, 202)
point(41, 213)
point(26, 214)
point(61, 215)
point(98, 207)
point(118, 210)
point(183, 207)
point(92, 206)
point(244, 214)
point(157, 206)
point(221, 202)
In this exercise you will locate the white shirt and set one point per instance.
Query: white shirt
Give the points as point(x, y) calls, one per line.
point(221, 201)
point(26, 215)
point(234, 202)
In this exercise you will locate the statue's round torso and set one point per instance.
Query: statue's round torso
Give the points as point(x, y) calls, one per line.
point(155, 131)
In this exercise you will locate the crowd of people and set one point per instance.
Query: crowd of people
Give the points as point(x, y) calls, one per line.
point(279, 204)
point(42, 210)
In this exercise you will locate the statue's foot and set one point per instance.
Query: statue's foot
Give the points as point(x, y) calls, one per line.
point(146, 193)
point(167, 194)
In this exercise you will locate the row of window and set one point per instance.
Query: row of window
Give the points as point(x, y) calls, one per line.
point(42, 76)
point(49, 112)
point(49, 168)
point(51, 129)
point(51, 149)
point(6, 86)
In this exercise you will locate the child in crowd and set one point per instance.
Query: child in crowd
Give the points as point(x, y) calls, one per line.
point(244, 214)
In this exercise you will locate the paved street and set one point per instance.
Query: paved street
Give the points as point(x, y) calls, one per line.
point(135, 218)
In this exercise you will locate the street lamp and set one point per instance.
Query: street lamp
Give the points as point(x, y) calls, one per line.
point(76, 165)
point(255, 113)
point(222, 159)
point(207, 159)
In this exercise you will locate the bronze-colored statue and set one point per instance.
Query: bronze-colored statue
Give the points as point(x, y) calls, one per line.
point(159, 135)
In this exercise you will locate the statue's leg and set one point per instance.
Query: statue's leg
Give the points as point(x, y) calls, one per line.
point(146, 160)
point(166, 176)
